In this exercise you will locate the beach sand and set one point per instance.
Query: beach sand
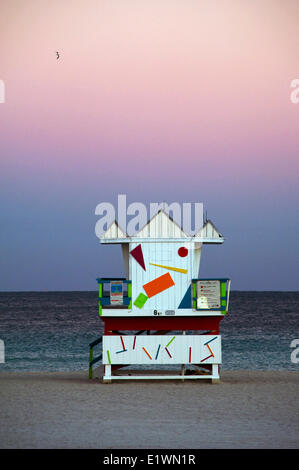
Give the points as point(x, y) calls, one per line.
point(247, 409)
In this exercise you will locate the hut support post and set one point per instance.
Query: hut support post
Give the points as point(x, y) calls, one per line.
point(90, 363)
point(215, 374)
point(107, 374)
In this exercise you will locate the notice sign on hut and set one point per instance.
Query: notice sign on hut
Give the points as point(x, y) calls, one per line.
point(208, 294)
point(116, 293)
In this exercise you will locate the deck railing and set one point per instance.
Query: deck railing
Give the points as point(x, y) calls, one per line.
point(93, 360)
point(114, 293)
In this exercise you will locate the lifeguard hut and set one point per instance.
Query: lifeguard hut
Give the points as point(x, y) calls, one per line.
point(162, 312)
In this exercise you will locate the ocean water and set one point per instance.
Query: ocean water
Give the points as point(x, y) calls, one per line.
point(51, 331)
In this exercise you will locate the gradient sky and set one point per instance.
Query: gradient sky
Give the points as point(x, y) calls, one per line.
point(160, 100)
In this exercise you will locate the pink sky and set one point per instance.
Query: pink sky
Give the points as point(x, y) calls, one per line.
point(166, 94)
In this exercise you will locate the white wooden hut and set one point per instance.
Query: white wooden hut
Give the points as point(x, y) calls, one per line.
point(160, 294)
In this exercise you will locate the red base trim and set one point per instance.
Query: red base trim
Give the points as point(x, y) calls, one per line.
point(161, 323)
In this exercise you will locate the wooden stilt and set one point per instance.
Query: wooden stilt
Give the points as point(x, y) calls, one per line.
point(107, 374)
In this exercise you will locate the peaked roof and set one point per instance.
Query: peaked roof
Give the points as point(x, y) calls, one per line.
point(162, 226)
point(209, 230)
point(114, 231)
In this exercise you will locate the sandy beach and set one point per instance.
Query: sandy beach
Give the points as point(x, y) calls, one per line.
point(247, 409)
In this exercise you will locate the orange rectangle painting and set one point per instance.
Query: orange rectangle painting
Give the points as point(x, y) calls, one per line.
point(158, 285)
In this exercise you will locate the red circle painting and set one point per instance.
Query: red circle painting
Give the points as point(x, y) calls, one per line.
point(182, 251)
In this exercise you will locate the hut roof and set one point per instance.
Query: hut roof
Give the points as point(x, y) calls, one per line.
point(162, 227)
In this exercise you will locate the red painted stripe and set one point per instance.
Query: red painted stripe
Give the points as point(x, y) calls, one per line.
point(122, 342)
point(168, 353)
point(189, 354)
point(134, 342)
point(211, 355)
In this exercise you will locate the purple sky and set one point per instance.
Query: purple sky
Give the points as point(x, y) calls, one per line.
point(162, 101)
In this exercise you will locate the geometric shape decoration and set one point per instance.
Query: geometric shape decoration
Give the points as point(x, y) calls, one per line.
point(210, 350)
point(138, 256)
point(168, 352)
point(213, 339)
point(158, 285)
point(147, 354)
point(140, 300)
point(152, 348)
point(122, 342)
point(207, 345)
point(182, 251)
point(186, 300)
point(108, 355)
point(170, 342)
point(179, 270)
point(208, 357)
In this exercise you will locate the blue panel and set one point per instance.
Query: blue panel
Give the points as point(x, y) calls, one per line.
point(106, 301)
point(127, 300)
point(186, 300)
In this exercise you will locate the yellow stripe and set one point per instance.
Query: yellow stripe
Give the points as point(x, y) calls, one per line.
point(179, 270)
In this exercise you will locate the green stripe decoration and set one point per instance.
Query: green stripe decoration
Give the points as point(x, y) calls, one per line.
point(108, 355)
point(100, 295)
point(194, 295)
point(223, 294)
point(100, 290)
point(100, 309)
point(170, 342)
point(223, 289)
point(130, 294)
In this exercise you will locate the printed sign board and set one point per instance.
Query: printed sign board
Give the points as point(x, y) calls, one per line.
point(208, 294)
point(116, 293)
